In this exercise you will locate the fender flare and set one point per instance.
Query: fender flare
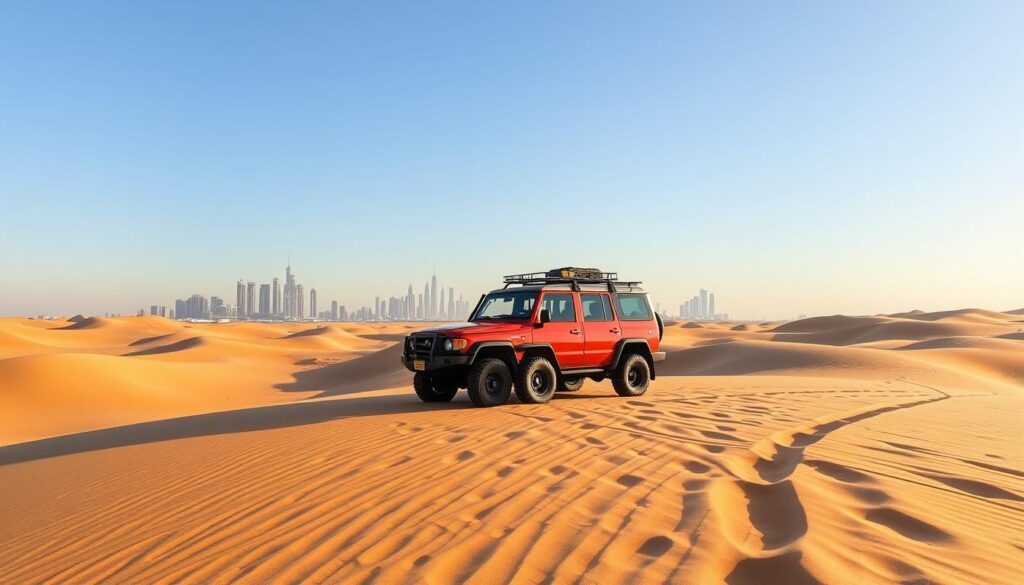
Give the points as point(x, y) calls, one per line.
point(477, 347)
point(620, 349)
point(545, 349)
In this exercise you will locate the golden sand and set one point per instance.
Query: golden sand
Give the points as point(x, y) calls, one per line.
point(833, 449)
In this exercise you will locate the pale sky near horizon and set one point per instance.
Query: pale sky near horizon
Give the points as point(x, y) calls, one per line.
point(816, 158)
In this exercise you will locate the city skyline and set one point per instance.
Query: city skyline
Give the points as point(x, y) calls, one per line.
point(273, 304)
point(431, 305)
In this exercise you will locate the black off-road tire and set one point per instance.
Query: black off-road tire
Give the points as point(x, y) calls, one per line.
point(570, 384)
point(434, 389)
point(489, 382)
point(632, 376)
point(537, 380)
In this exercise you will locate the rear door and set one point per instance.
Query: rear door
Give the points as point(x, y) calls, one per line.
point(564, 332)
point(601, 330)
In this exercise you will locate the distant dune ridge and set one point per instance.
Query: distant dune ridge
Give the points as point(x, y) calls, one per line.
point(868, 449)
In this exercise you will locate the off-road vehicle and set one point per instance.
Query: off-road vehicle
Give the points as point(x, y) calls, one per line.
point(542, 332)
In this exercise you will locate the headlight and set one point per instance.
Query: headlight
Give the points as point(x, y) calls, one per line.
point(455, 344)
point(411, 343)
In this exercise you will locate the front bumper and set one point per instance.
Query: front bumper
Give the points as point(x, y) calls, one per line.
point(434, 362)
point(657, 356)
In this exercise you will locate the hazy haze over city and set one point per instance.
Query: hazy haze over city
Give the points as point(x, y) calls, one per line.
point(870, 163)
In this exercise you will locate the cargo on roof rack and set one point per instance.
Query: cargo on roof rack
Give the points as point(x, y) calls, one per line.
point(568, 275)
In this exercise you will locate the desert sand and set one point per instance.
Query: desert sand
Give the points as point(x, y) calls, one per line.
point(834, 449)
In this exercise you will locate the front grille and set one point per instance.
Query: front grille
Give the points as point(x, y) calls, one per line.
point(423, 345)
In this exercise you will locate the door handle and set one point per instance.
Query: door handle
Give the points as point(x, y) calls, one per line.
point(615, 330)
point(574, 331)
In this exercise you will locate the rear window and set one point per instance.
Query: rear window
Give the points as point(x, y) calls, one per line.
point(633, 307)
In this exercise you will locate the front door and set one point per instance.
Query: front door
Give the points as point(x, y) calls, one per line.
point(564, 332)
point(601, 330)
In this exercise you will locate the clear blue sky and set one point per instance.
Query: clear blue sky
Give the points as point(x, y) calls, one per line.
point(812, 157)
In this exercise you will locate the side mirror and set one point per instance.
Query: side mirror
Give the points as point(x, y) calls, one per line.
point(545, 317)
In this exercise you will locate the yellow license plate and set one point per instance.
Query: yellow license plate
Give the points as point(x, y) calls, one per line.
point(419, 365)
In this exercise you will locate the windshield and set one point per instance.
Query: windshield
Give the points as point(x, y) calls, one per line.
point(516, 304)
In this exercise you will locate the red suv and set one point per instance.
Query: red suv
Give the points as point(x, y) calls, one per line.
point(542, 332)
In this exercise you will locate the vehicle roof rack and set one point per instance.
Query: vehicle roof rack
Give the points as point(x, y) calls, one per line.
point(610, 279)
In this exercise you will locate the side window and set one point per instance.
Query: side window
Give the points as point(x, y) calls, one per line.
point(560, 307)
point(607, 307)
point(594, 309)
point(633, 307)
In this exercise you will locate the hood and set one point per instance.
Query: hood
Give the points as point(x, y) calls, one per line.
point(477, 328)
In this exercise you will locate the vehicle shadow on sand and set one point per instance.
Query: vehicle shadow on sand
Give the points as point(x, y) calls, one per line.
point(220, 423)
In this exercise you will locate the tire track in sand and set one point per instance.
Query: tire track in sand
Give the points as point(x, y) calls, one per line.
point(767, 537)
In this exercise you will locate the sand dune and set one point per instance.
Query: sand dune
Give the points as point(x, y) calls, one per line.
point(94, 372)
point(836, 449)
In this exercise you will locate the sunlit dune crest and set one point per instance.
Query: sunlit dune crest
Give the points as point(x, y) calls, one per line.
point(870, 449)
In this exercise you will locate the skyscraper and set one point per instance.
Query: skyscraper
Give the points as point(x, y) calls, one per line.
point(312, 303)
point(292, 298)
point(711, 306)
point(433, 296)
point(264, 307)
point(334, 310)
point(250, 299)
point(239, 300)
point(451, 303)
point(703, 305)
point(299, 300)
point(276, 301)
point(197, 307)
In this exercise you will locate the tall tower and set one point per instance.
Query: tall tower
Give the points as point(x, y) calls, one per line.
point(711, 306)
point(312, 303)
point(425, 301)
point(275, 303)
point(239, 300)
point(334, 310)
point(264, 307)
point(290, 293)
point(433, 296)
point(376, 308)
point(250, 299)
point(299, 301)
point(441, 315)
point(451, 303)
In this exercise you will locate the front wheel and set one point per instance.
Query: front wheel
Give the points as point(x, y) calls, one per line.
point(632, 376)
point(431, 389)
point(537, 381)
point(489, 382)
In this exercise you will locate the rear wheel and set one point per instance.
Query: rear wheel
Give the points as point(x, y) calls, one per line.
point(570, 384)
point(537, 380)
point(632, 376)
point(434, 389)
point(489, 382)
